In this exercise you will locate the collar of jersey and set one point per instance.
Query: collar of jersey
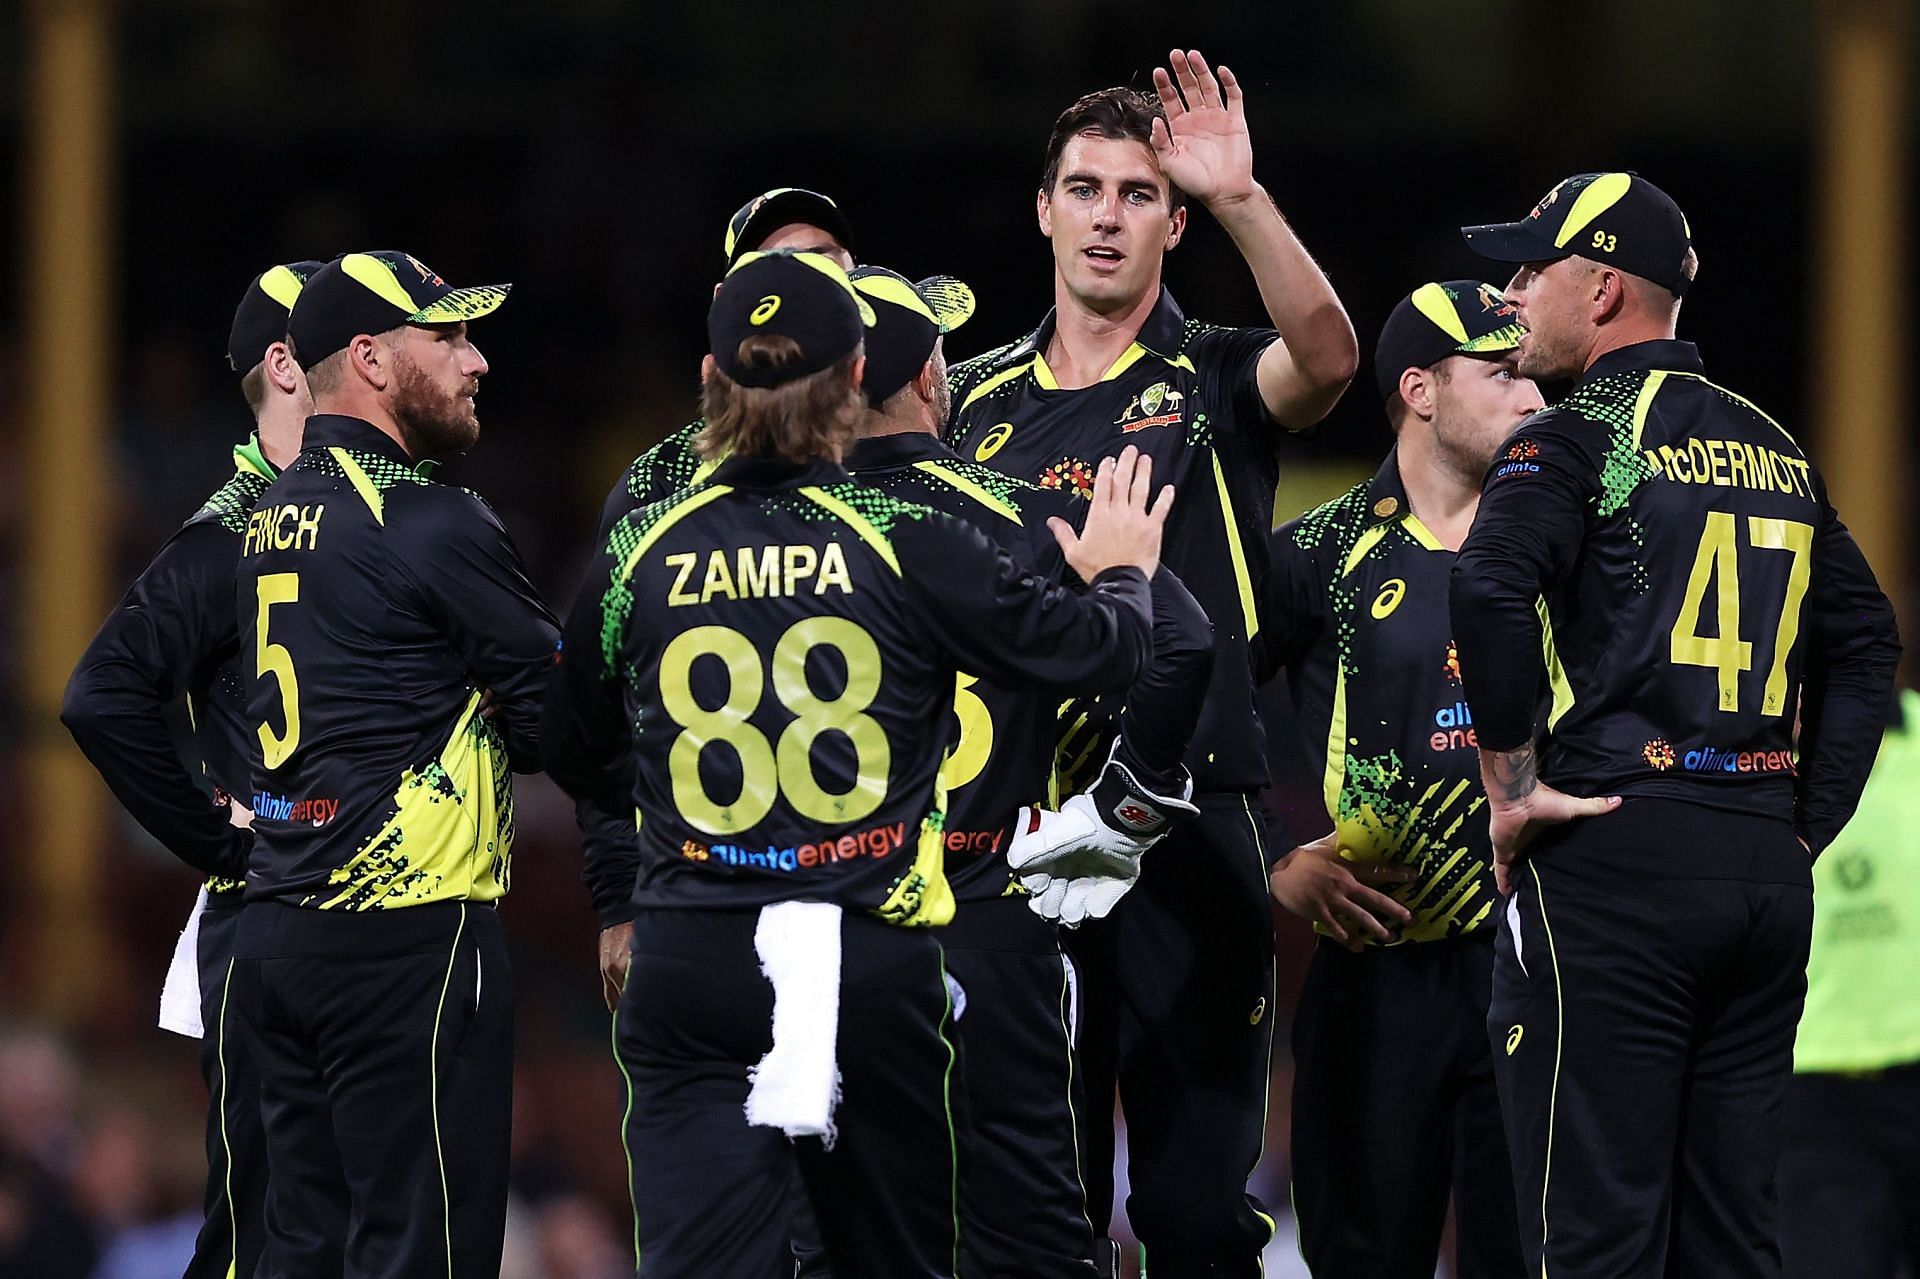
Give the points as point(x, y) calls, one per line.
point(901, 449)
point(1661, 353)
point(776, 473)
point(248, 457)
point(1387, 503)
point(326, 430)
point(1162, 334)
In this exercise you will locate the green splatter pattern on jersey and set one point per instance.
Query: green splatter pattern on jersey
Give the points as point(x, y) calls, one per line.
point(1609, 400)
point(616, 604)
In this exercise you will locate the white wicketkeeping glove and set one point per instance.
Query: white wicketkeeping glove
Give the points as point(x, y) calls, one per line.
point(1078, 863)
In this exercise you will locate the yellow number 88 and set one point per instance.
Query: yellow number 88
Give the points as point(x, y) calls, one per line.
point(785, 768)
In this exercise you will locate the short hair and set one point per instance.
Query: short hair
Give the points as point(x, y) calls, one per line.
point(1119, 112)
point(326, 376)
point(254, 387)
point(807, 418)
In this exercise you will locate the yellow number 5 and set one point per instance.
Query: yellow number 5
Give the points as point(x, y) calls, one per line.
point(975, 747)
point(277, 588)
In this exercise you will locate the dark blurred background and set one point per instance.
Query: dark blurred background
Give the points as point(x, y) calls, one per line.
point(161, 153)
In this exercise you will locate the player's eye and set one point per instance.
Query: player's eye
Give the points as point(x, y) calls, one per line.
point(1138, 197)
point(1080, 192)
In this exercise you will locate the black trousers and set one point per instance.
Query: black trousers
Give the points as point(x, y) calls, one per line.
point(234, 1232)
point(1177, 1008)
point(711, 1193)
point(384, 1042)
point(1394, 1107)
point(1023, 1205)
point(1648, 977)
point(1850, 1176)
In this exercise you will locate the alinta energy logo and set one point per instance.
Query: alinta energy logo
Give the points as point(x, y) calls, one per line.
point(1520, 455)
point(284, 808)
point(875, 842)
point(1661, 756)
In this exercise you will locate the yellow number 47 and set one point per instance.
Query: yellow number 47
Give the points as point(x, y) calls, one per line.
point(1726, 653)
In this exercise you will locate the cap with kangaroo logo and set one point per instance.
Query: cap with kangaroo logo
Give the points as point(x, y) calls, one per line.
point(373, 292)
point(1454, 317)
point(1618, 219)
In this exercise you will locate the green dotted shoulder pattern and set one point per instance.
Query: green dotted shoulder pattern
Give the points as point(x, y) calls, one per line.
point(667, 467)
point(231, 503)
point(1609, 401)
point(383, 471)
point(1329, 532)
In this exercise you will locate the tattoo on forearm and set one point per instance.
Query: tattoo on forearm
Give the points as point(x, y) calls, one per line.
point(1514, 775)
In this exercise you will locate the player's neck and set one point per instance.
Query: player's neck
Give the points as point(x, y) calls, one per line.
point(1440, 496)
point(877, 424)
point(1628, 332)
point(279, 427)
point(1087, 341)
point(369, 409)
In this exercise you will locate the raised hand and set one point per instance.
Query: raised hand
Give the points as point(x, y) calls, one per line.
point(1203, 146)
point(1119, 528)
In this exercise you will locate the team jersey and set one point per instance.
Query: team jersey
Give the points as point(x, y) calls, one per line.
point(175, 633)
point(1660, 554)
point(1355, 609)
point(1002, 755)
point(779, 646)
point(377, 609)
point(1184, 393)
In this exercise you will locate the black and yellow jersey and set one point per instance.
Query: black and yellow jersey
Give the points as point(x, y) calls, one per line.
point(1002, 753)
point(1184, 393)
point(1671, 553)
point(779, 645)
point(377, 608)
point(175, 634)
point(1355, 609)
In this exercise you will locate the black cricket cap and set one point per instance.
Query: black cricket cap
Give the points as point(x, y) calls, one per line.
point(1618, 219)
point(908, 319)
point(1454, 317)
point(261, 318)
point(767, 212)
point(372, 292)
point(801, 296)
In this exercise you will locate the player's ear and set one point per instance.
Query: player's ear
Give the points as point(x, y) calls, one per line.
point(372, 359)
point(859, 371)
point(1416, 391)
point(1177, 226)
point(281, 369)
point(1043, 210)
point(706, 368)
point(1609, 294)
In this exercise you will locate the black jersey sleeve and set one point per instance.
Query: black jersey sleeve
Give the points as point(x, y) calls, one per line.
point(611, 859)
point(1163, 706)
point(1526, 537)
point(1293, 604)
point(1230, 358)
point(999, 621)
point(469, 574)
point(172, 621)
point(1848, 681)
